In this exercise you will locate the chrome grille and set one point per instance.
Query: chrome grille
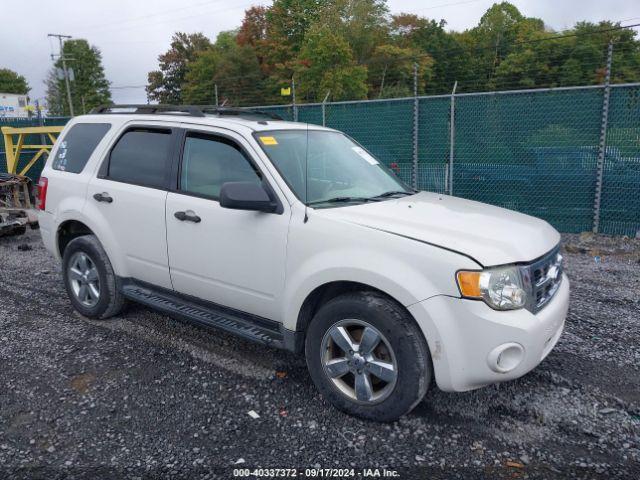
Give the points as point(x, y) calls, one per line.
point(542, 279)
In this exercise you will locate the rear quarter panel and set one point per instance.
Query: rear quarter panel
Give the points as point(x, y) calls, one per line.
point(67, 191)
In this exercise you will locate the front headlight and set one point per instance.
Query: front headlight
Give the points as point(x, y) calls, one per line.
point(501, 288)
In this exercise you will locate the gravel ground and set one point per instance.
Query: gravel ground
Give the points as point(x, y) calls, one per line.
point(145, 396)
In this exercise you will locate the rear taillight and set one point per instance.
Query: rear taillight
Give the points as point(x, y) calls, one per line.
point(41, 200)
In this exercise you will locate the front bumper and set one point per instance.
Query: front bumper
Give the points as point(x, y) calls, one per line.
point(466, 336)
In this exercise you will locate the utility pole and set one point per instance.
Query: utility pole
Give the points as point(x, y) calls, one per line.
point(215, 86)
point(64, 67)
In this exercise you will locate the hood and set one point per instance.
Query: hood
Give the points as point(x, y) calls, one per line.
point(490, 235)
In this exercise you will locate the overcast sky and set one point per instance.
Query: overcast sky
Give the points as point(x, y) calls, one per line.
point(131, 34)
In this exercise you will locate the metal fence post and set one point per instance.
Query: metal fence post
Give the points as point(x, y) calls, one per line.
point(414, 165)
point(293, 99)
point(603, 141)
point(452, 137)
point(324, 109)
point(43, 138)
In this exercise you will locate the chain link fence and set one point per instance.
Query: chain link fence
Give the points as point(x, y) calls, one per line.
point(539, 152)
point(534, 151)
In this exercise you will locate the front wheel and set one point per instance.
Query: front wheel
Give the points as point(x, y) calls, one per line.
point(367, 356)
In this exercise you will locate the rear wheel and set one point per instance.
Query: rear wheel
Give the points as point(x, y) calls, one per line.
point(90, 280)
point(367, 356)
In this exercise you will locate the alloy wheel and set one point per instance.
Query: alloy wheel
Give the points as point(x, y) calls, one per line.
point(84, 279)
point(359, 361)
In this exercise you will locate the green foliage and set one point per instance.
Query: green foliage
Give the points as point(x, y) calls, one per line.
point(450, 60)
point(356, 49)
point(231, 66)
point(89, 86)
point(327, 65)
point(11, 82)
point(165, 84)
point(363, 24)
point(391, 71)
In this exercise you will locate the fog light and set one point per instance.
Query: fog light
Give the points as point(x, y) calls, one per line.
point(506, 357)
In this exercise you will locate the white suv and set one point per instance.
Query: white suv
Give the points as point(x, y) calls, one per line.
point(295, 236)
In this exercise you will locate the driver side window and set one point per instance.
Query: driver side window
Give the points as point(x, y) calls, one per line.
point(208, 162)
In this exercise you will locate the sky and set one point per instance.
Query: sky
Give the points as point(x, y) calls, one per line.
point(131, 34)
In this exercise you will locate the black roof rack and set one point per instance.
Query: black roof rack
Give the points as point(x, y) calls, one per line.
point(189, 110)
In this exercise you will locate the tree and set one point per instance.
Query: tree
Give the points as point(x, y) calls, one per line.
point(56, 98)
point(357, 50)
point(287, 24)
point(165, 84)
point(89, 86)
point(326, 64)
point(363, 24)
point(544, 60)
point(391, 71)
point(253, 31)
point(234, 68)
point(11, 82)
point(450, 58)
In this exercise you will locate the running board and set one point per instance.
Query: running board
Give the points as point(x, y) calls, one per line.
point(245, 325)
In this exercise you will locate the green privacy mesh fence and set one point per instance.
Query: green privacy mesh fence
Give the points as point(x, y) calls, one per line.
point(534, 151)
point(620, 205)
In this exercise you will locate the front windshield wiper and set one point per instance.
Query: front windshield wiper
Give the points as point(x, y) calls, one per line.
point(341, 200)
point(392, 193)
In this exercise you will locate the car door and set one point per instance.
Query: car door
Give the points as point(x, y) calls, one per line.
point(129, 194)
point(234, 258)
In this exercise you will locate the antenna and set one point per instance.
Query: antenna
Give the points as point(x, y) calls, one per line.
point(306, 178)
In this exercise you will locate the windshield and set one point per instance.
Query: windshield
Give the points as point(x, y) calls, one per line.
point(339, 169)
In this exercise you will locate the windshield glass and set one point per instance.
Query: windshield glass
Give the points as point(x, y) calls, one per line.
point(339, 169)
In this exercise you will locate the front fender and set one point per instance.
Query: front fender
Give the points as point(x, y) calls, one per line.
point(323, 269)
point(406, 270)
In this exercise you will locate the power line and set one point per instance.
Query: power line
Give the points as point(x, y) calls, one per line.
point(142, 25)
point(477, 48)
point(453, 4)
point(124, 87)
point(144, 17)
point(477, 78)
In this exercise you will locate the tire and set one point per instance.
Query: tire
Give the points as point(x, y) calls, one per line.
point(109, 301)
point(401, 345)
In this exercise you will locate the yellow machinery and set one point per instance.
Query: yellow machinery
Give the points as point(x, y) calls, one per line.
point(15, 193)
point(14, 139)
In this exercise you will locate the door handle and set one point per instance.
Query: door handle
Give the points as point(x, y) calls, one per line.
point(103, 197)
point(187, 216)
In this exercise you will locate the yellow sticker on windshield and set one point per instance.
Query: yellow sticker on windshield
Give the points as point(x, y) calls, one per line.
point(268, 141)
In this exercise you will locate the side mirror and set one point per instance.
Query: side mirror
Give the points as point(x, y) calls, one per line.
point(246, 196)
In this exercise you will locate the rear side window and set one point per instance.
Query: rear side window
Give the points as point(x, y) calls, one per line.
point(77, 146)
point(141, 157)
